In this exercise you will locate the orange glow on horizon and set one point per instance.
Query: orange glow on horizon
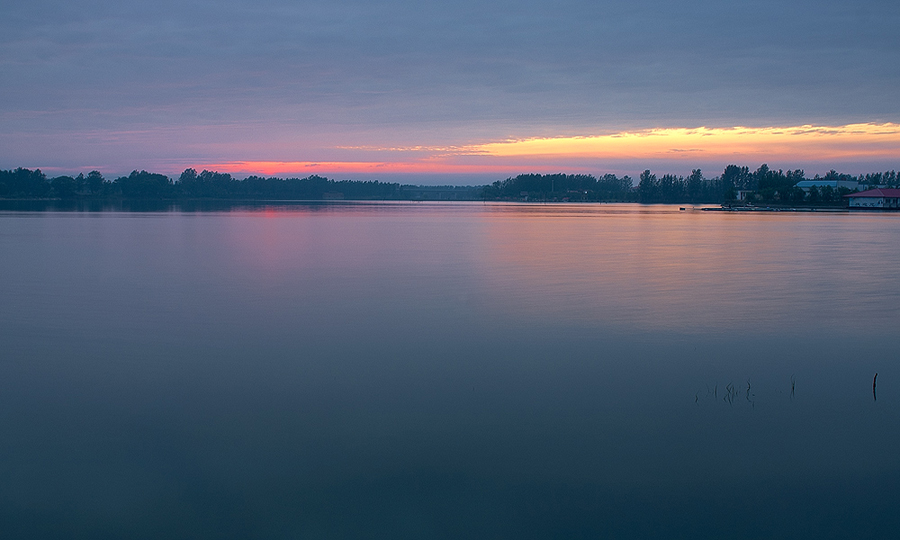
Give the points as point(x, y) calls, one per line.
point(330, 167)
point(738, 145)
point(807, 143)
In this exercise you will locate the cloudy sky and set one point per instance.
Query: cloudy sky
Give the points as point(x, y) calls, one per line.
point(449, 91)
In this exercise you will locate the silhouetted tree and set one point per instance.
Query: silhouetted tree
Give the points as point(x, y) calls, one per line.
point(94, 182)
point(63, 186)
point(648, 186)
point(145, 185)
point(813, 194)
point(735, 178)
point(24, 183)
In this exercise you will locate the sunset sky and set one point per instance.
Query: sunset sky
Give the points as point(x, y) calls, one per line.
point(448, 92)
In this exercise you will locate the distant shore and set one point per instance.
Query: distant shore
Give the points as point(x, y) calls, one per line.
point(737, 189)
point(727, 208)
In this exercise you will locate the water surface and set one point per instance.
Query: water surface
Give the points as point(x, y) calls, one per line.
point(448, 370)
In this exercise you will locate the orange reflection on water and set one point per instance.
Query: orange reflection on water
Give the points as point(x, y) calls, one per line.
point(659, 268)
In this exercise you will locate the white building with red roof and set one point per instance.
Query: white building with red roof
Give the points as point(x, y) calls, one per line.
point(876, 199)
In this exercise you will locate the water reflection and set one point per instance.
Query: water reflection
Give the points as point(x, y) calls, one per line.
point(409, 370)
point(695, 271)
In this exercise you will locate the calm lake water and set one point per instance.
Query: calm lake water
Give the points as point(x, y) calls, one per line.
point(449, 371)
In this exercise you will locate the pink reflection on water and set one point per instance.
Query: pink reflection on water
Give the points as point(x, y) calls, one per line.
point(585, 265)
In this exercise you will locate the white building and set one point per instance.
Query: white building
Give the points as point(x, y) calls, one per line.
point(882, 198)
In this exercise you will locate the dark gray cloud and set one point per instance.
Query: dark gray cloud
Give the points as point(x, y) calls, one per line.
point(304, 74)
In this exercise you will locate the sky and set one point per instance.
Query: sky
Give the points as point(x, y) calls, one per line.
point(462, 92)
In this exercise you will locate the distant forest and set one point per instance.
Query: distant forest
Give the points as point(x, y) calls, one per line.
point(24, 183)
point(763, 186)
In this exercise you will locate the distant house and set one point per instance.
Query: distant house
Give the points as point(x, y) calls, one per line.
point(805, 185)
point(882, 199)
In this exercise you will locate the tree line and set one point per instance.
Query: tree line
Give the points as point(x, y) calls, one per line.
point(24, 183)
point(764, 185)
point(556, 187)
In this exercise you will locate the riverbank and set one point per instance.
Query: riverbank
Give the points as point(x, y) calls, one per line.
point(826, 209)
